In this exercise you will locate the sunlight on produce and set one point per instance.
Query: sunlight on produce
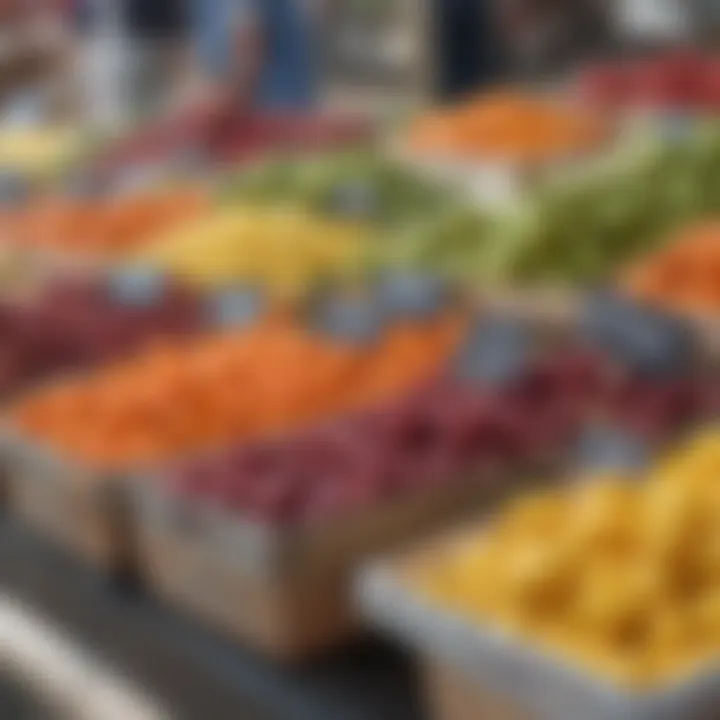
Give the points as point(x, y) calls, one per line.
point(360, 360)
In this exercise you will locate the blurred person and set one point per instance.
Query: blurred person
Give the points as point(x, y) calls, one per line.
point(466, 55)
point(544, 35)
point(34, 62)
point(158, 35)
point(129, 57)
point(255, 53)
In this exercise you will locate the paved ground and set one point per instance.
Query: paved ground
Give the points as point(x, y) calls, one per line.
point(198, 675)
point(16, 703)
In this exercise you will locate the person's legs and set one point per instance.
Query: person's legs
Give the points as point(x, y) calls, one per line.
point(465, 44)
point(152, 74)
point(102, 66)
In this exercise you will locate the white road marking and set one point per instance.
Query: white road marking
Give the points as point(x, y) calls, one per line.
point(69, 678)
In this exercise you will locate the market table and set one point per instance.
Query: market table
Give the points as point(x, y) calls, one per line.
point(191, 671)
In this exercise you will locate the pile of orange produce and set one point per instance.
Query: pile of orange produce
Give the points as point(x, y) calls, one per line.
point(683, 275)
point(180, 397)
point(506, 126)
point(107, 227)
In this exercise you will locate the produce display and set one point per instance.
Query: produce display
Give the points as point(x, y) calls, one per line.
point(658, 375)
point(584, 230)
point(37, 152)
point(257, 135)
point(683, 275)
point(506, 126)
point(567, 231)
point(82, 323)
point(685, 81)
point(244, 138)
point(615, 576)
point(362, 185)
point(450, 430)
point(281, 250)
point(103, 227)
point(412, 220)
point(182, 396)
point(657, 408)
point(465, 422)
point(283, 347)
point(19, 275)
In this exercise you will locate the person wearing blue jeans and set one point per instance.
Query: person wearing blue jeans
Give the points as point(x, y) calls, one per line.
point(256, 53)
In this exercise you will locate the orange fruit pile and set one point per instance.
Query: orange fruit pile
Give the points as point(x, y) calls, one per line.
point(180, 397)
point(683, 275)
point(506, 126)
point(105, 227)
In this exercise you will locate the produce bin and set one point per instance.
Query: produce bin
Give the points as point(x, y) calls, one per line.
point(474, 671)
point(284, 586)
point(284, 591)
point(67, 503)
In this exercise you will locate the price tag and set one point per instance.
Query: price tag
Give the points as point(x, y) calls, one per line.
point(137, 287)
point(237, 307)
point(347, 318)
point(643, 339)
point(497, 352)
point(414, 296)
point(608, 449)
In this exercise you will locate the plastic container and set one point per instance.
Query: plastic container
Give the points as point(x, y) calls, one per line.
point(474, 671)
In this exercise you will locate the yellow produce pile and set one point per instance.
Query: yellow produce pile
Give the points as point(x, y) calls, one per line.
point(283, 250)
point(36, 151)
point(620, 577)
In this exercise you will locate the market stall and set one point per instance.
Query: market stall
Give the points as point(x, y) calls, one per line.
point(272, 387)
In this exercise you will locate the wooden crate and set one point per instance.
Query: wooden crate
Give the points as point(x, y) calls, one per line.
point(287, 593)
point(73, 506)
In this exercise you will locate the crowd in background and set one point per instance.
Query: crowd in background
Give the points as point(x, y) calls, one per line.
point(266, 52)
point(146, 53)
